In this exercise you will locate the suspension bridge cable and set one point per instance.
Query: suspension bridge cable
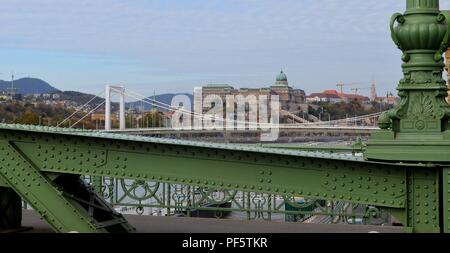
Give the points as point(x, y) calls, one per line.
point(196, 115)
point(168, 107)
point(79, 109)
point(87, 114)
point(313, 123)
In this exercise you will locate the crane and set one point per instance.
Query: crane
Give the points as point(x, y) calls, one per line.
point(341, 86)
point(359, 88)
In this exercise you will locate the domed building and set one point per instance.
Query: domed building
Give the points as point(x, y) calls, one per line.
point(281, 79)
point(290, 99)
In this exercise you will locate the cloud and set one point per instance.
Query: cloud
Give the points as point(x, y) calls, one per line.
point(133, 27)
point(189, 38)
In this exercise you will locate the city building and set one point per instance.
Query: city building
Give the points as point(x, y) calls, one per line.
point(323, 97)
point(389, 99)
point(290, 99)
point(333, 96)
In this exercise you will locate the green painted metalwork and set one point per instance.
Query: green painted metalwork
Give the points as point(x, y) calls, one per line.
point(309, 174)
point(63, 204)
point(148, 197)
point(404, 170)
point(446, 199)
point(333, 177)
point(357, 147)
point(417, 128)
point(423, 200)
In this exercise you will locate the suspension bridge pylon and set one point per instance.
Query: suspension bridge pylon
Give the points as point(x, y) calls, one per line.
point(108, 92)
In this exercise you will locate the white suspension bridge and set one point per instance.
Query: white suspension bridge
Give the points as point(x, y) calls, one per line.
point(355, 125)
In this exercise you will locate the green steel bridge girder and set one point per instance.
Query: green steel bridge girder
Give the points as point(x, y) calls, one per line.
point(33, 159)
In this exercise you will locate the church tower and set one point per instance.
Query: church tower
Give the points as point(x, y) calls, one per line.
point(373, 91)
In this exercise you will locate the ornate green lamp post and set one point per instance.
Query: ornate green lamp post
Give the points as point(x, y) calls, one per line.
point(417, 129)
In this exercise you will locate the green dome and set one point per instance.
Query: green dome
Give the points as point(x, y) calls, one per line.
point(281, 77)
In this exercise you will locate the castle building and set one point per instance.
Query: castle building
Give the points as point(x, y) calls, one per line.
point(290, 99)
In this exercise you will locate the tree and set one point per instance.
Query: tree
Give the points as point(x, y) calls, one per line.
point(29, 117)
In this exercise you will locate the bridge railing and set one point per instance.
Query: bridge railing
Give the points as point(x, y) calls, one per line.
point(164, 199)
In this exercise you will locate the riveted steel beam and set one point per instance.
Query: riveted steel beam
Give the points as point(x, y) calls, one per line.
point(446, 199)
point(423, 200)
point(60, 201)
point(275, 171)
point(314, 175)
point(40, 192)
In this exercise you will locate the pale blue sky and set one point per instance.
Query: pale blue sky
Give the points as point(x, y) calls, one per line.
point(174, 45)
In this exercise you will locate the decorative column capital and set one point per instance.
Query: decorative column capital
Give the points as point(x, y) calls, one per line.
point(422, 6)
point(422, 116)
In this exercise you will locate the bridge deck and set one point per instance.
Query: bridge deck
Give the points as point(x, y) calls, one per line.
point(153, 224)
